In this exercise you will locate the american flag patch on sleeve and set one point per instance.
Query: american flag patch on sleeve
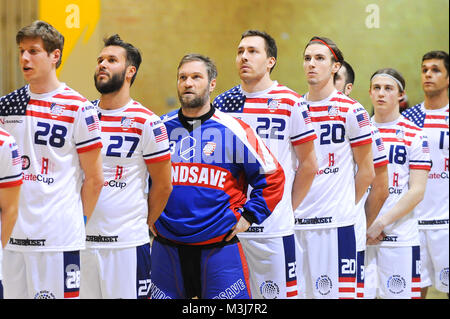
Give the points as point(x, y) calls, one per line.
point(160, 133)
point(306, 117)
point(16, 158)
point(362, 119)
point(91, 123)
point(425, 147)
point(379, 144)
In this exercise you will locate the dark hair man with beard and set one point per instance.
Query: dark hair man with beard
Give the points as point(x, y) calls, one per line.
point(135, 145)
point(215, 158)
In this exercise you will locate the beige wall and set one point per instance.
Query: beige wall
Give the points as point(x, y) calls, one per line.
point(13, 15)
point(166, 30)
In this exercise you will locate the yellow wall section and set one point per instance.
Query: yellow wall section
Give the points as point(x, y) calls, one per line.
point(371, 33)
point(78, 23)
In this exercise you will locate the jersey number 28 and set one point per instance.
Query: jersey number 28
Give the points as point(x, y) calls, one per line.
point(56, 133)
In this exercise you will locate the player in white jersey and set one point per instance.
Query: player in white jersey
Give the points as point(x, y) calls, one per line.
point(378, 191)
point(393, 254)
point(325, 219)
point(10, 183)
point(369, 206)
point(432, 212)
point(284, 125)
point(116, 263)
point(344, 78)
point(58, 136)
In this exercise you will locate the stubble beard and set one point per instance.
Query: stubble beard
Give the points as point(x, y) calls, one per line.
point(198, 101)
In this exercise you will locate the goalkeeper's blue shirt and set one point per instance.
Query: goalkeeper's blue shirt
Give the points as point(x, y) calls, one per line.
point(214, 160)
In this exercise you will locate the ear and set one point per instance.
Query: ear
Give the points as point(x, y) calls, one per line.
point(401, 95)
point(335, 67)
point(271, 63)
point(212, 85)
point(131, 71)
point(348, 88)
point(55, 55)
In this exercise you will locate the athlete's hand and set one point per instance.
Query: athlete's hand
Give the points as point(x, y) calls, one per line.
point(152, 230)
point(241, 226)
point(375, 233)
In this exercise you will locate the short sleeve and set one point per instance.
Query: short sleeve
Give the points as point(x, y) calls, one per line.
point(155, 141)
point(87, 129)
point(358, 126)
point(10, 162)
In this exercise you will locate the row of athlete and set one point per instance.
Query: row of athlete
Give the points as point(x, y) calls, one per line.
point(222, 228)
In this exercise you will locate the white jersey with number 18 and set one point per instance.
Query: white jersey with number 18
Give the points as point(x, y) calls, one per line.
point(407, 149)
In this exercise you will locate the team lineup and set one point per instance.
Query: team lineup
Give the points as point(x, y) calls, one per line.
point(259, 193)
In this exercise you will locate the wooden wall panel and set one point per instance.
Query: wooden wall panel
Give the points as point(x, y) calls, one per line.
point(13, 16)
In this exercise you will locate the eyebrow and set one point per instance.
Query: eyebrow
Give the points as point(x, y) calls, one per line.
point(383, 84)
point(248, 47)
point(107, 56)
point(32, 46)
point(190, 73)
point(432, 65)
point(317, 54)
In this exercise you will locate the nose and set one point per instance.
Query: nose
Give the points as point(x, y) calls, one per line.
point(188, 82)
point(25, 56)
point(310, 64)
point(102, 64)
point(244, 55)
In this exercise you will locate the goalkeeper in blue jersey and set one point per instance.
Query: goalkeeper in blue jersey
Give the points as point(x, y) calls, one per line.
point(215, 157)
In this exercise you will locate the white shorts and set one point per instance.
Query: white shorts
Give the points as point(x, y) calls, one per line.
point(360, 265)
point(361, 232)
point(326, 263)
point(392, 272)
point(271, 263)
point(434, 250)
point(41, 275)
point(361, 238)
point(115, 273)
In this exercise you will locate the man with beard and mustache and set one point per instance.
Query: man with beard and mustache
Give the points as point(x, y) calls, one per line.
point(116, 263)
point(215, 158)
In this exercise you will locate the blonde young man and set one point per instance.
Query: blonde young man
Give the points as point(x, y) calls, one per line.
point(58, 136)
